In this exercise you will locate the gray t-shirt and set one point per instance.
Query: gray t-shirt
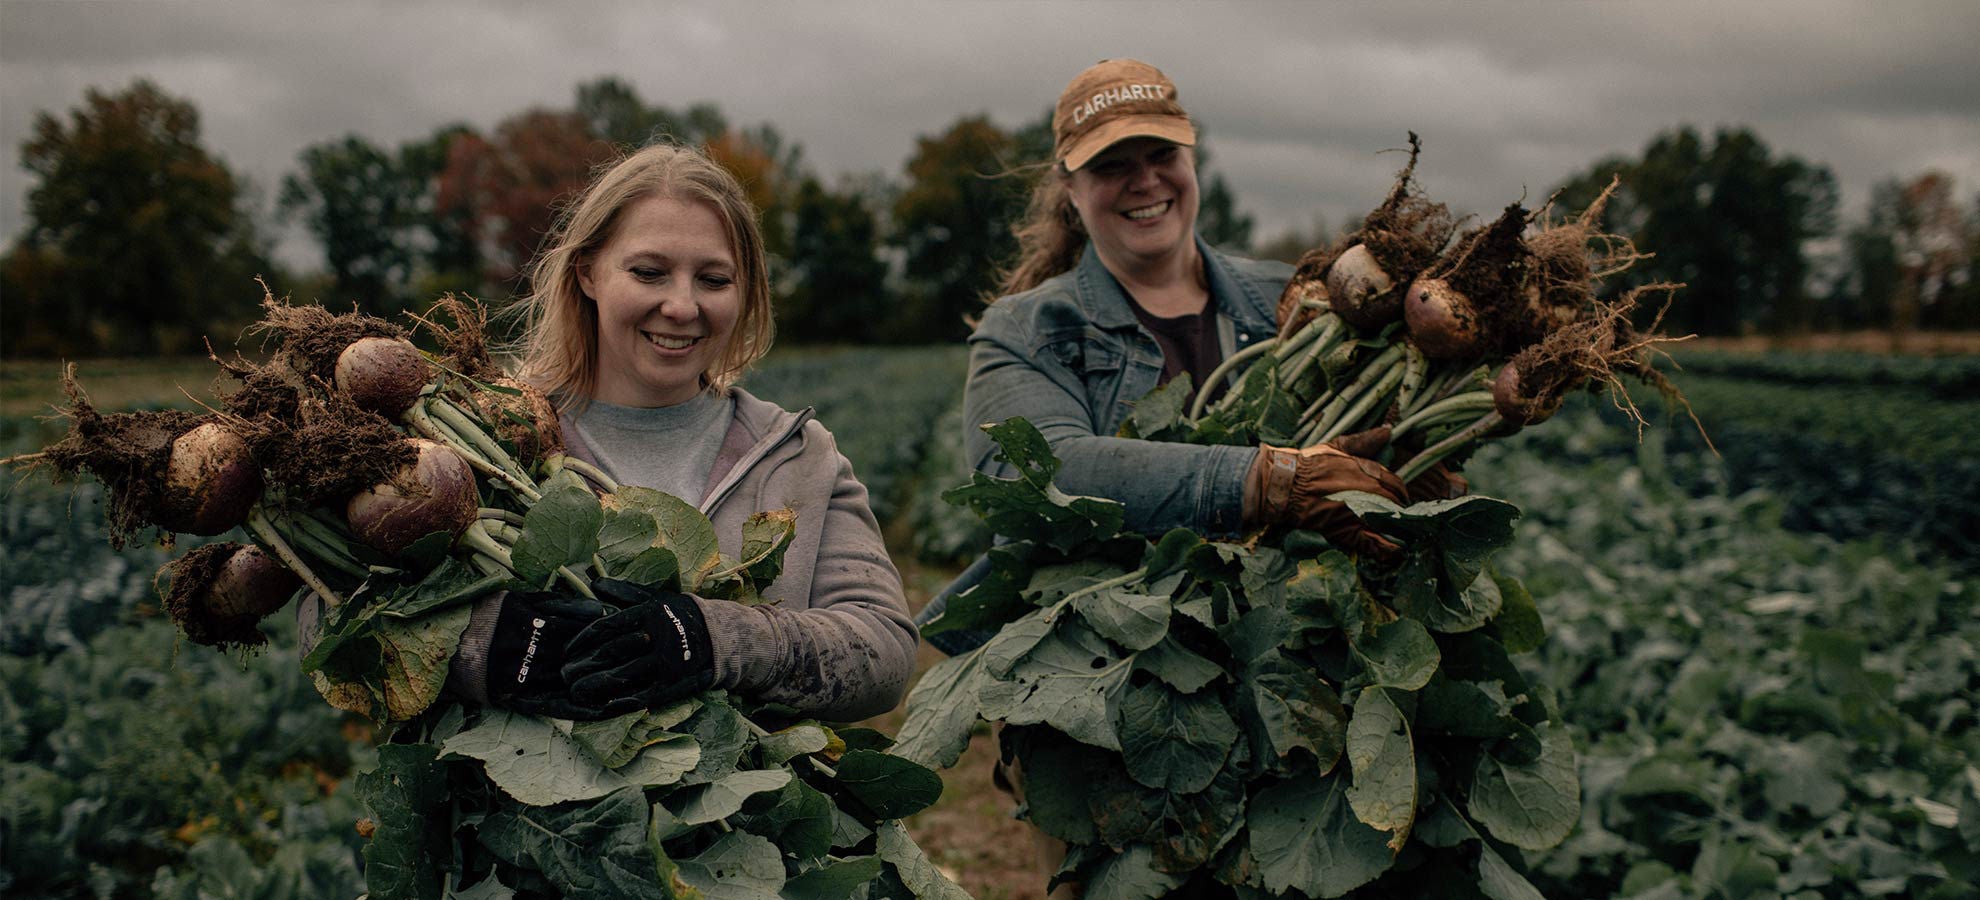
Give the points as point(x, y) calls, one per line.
point(669, 448)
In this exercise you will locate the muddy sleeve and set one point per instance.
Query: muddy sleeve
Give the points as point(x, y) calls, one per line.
point(849, 654)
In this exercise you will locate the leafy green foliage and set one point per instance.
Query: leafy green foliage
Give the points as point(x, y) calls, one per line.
point(689, 798)
point(1287, 675)
point(1756, 711)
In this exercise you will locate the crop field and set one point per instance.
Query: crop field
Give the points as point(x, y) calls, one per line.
point(1769, 658)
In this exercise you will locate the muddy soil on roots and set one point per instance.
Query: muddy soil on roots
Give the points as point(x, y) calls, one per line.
point(1571, 258)
point(1596, 351)
point(311, 337)
point(1490, 267)
point(334, 450)
point(1407, 231)
point(129, 452)
point(460, 326)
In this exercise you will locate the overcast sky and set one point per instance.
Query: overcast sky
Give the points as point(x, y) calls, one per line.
point(1297, 98)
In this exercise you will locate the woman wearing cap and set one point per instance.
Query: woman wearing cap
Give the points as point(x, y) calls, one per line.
point(1113, 294)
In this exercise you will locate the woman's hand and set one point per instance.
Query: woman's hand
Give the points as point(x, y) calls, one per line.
point(566, 657)
point(1290, 486)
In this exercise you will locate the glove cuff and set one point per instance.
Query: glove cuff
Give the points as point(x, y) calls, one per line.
point(1268, 487)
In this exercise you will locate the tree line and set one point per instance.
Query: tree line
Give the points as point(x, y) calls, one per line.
point(140, 240)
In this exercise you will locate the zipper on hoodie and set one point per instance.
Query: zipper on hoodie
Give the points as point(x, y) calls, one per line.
point(749, 460)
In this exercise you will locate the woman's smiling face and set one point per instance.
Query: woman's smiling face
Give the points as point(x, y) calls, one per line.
point(1138, 200)
point(667, 297)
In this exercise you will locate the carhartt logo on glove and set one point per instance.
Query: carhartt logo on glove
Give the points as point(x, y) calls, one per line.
point(529, 651)
point(687, 652)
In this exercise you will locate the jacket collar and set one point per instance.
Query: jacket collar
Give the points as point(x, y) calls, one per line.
point(1107, 304)
point(759, 427)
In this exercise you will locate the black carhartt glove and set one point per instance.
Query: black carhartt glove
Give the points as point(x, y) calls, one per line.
point(568, 658)
point(655, 649)
point(527, 651)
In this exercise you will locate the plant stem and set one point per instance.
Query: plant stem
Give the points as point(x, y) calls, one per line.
point(1311, 357)
point(470, 430)
point(1373, 372)
point(1436, 452)
point(477, 538)
point(265, 530)
point(1225, 368)
point(1475, 401)
point(1367, 402)
point(506, 517)
point(300, 535)
point(1416, 371)
point(591, 473)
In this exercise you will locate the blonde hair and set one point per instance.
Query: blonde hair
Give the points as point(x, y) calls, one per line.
point(1050, 236)
point(560, 342)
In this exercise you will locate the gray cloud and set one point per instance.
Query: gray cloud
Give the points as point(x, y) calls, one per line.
point(1298, 99)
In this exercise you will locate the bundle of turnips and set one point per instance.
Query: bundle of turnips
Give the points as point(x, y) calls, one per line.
point(386, 489)
point(1422, 341)
point(1273, 716)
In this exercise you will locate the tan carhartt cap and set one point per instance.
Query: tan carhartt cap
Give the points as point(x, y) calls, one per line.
point(1116, 99)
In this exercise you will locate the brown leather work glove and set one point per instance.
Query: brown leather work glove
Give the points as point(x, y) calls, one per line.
point(1290, 486)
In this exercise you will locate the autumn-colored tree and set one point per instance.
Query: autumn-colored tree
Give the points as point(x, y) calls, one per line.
point(137, 241)
point(508, 188)
point(770, 175)
point(450, 257)
point(1934, 247)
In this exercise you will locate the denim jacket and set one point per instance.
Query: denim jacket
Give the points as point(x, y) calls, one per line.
point(1071, 358)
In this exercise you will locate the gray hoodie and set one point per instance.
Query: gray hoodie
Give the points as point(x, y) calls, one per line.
point(837, 642)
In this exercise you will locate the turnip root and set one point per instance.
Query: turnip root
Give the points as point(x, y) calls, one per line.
point(1361, 293)
point(171, 469)
point(220, 591)
point(1518, 403)
point(435, 493)
point(313, 339)
point(383, 375)
point(1442, 321)
point(211, 481)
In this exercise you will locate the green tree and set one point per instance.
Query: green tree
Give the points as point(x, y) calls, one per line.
point(952, 225)
point(135, 225)
point(1871, 282)
point(1730, 219)
point(1218, 220)
point(615, 112)
point(363, 206)
point(835, 289)
point(450, 257)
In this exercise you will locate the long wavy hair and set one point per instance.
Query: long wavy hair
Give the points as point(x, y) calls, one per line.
point(559, 347)
point(1050, 236)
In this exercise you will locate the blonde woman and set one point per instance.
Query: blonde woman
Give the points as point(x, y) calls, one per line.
point(649, 302)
